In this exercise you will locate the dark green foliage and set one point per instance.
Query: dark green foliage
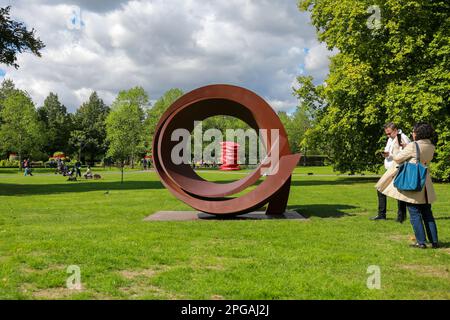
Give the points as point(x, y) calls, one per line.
point(155, 113)
point(57, 124)
point(15, 38)
point(89, 125)
point(398, 73)
point(20, 131)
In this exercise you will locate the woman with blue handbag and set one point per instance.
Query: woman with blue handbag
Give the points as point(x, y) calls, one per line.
point(411, 182)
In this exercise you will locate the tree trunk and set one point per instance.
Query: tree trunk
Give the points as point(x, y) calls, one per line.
point(20, 161)
point(123, 165)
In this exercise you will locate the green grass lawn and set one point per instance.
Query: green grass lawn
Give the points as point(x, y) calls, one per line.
point(48, 224)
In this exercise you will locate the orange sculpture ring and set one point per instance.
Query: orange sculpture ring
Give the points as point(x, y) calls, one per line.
point(213, 198)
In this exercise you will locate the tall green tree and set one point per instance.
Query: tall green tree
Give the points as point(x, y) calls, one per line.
point(296, 126)
point(78, 141)
point(6, 89)
point(394, 70)
point(154, 114)
point(57, 124)
point(137, 99)
point(20, 131)
point(124, 125)
point(15, 38)
point(89, 120)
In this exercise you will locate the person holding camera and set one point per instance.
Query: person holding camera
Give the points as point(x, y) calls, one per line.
point(396, 141)
point(418, 202)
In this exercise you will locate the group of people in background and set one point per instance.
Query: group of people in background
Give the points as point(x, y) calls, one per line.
point(73, 171)
point(146, 164)
point(399, 150)
point(66, 170)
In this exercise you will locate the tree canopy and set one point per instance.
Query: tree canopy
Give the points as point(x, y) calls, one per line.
point(95, 132)
point(124, 125)
point(89, 122)
point(15, 38)
point(20, 131)
point(397, 72)
point(57, 124)
point(155, 113)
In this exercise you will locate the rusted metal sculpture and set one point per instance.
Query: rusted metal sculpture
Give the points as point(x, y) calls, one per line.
point(213, 198)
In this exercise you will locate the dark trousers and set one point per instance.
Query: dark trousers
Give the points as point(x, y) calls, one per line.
point(420, 215)
point(382, 205)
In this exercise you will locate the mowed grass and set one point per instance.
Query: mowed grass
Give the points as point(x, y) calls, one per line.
point(48, 224)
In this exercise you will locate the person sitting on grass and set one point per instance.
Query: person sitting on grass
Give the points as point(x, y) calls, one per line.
point(88, 174)
point(71, 172)
point(72, 175)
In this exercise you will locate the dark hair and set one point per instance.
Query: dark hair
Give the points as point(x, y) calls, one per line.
point(390, 125)
point(423, 130)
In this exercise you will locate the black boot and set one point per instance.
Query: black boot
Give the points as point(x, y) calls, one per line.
point(401, 217)
point(401, 212)
point(382, 204)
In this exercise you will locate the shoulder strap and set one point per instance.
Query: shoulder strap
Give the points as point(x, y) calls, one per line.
point(417, 152)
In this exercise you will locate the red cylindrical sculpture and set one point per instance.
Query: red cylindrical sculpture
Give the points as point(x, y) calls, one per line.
point(229, 156)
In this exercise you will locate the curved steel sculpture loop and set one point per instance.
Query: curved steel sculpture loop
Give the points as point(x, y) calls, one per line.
point(182, 181)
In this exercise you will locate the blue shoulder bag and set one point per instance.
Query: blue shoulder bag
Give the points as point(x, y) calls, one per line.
point(411, 176)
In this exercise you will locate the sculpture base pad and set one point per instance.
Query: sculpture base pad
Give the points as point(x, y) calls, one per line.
point(196, 215)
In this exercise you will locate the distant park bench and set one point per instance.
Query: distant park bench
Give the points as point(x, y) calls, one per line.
point(37, 164)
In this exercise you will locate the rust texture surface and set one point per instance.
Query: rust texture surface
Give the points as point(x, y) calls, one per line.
point(214, 198)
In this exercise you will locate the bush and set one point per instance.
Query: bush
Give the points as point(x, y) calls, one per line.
point(38, 156)
point(9, 163)
point(71, 163)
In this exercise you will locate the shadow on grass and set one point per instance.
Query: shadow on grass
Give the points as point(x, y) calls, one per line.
point(338, 181)
point(444, 245)
point(441, 218)
point(7, 189)
point(323, 210)
point(307, 183)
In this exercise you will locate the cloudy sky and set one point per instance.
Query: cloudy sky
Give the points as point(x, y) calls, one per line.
point(111, 45)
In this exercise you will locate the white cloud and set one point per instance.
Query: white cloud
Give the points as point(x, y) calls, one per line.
point(317, 60)
point(283, 105)
point(261, 45)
